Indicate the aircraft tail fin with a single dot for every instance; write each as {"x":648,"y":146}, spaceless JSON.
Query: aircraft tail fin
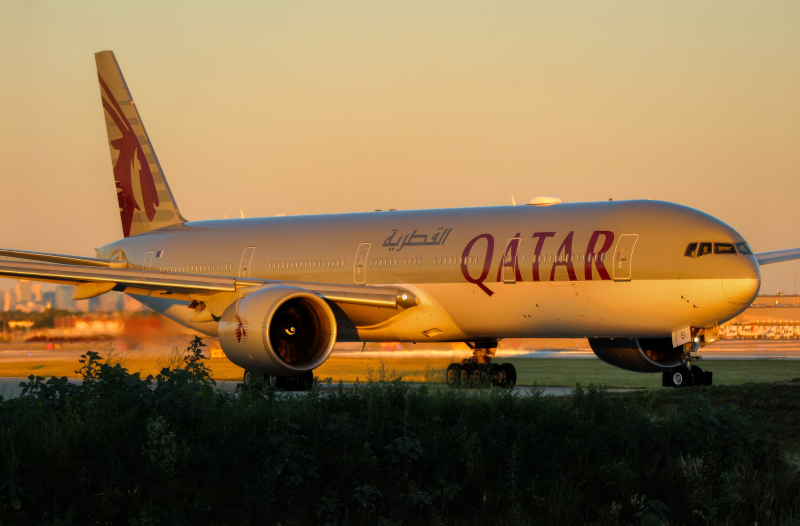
{"x":145,"y":200}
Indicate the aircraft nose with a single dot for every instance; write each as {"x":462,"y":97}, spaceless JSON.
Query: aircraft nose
{"x":741,"y":279}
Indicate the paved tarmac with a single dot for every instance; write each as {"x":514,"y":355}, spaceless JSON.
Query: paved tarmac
{"x":10,"y":388}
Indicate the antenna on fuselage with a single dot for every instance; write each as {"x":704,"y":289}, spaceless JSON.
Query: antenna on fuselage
{"x":241,"y":214}
{"x":513,"y":203}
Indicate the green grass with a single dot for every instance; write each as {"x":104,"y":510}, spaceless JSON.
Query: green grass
{"x":566,"y":372}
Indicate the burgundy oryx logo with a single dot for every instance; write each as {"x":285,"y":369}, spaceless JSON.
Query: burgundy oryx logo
{"x":136,"y":188}
{"x":241,"y":331}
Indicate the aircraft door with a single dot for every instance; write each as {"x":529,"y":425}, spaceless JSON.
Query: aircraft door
{"x":247,"y":261}
{"x":623,"y":256}
{"x":510,"y":264}
{"x":360,"y":268}
{"x":148,"y":260}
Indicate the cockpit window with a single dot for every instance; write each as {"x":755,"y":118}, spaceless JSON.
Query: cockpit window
{"x":705,"y":249}
{"x":724,"y":248}
{"x":744,"y":249}
{"x":691,"y":250}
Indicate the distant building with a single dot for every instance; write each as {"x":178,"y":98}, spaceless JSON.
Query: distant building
{"x":49,"y":299}
{"x":8,"y":300}
{"x":770,"y":317}
{"x":24,"y":291}
{"x":63,"y":298}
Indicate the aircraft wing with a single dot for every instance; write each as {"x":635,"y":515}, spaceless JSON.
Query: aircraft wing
{"x":94,"y":281}
{"x":776,"y":256}
{"x":59,"y":258}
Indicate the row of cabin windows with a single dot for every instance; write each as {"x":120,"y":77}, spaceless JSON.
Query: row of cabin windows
{"x":306,"y":264}
{"x":375,"y":263}
{"x":207,"y":267}
{"x":541,"y":258}
{"x":695,"y":250}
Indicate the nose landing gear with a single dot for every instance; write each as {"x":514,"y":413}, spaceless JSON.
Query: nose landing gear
{"x":479,"y":371}
{"x":686,"y":374}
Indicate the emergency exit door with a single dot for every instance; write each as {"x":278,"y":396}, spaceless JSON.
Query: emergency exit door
{"x":148,"y":260}
{"x":247,"y":261}
{"x":360,"y":268}
{"x":623,"y":257}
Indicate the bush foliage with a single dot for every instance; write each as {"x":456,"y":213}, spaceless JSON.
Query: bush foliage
{"x":120,"y":449}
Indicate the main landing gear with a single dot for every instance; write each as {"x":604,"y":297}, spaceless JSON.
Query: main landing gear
{"x":298,"y":382}
{"x":479,"y":371}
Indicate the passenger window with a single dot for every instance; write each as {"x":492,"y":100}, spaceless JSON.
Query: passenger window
{"x":705,"y":249}
{"x":691,"y":250}
{"x":744,"y":249}
{"x":724,"y":248}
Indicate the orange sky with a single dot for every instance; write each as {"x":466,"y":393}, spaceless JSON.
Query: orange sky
{"x":302,"y":107}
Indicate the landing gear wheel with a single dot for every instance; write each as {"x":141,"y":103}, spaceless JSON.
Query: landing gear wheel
{"x":510,"y":373}
{"x":463,"y":376}
{"x":700,"y":377}
{"x":297,"y":382}
{"x":453,"y":375}
{"x":678,"y":377}
{"x":477,"y":377}
{"x":249,"y":377}
{"x":498,"y":376}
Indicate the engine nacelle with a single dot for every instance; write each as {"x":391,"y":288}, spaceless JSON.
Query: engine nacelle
{"x":641,"y":355}
{"x":278,"y":330}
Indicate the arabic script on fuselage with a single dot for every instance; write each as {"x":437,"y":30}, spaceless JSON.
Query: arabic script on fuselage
{"x":414,"y":239}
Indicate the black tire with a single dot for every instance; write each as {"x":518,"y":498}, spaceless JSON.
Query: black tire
{"x":297,"y":382}
{"x":476,"y":378}
{"x":510,"y":374}
{"x":681,"y":377}
{"x":498,"y":376}
{"x":464,"y":375}
{"x":698,"y":376}
{"x":249,"y":376}
{"x":453,"y":375}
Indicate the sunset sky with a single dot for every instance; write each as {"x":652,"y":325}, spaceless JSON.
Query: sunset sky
{"x":302,"y":107}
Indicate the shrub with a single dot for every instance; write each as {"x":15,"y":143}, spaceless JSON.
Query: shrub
{"x":121,"y":449}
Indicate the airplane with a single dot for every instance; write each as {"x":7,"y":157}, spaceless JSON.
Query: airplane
{"x":647,"y":282}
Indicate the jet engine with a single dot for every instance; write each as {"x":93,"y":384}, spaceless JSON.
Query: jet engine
{"x":641,"y":355}
{"x":278,"y":331}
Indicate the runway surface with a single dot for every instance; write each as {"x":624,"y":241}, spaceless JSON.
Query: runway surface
{"x":555,"y":348}
{"x":568,"y":349}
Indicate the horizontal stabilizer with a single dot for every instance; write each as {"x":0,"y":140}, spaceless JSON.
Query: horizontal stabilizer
{"x":776,"y":256}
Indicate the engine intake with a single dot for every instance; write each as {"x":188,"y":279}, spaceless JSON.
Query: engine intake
{"x":278,"y":330}
{"x":642,"y":355}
